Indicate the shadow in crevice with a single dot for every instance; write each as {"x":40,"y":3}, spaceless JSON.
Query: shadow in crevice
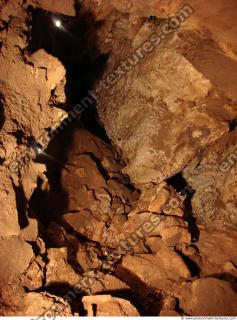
{"x":69,"y":43}
{"x":180,"y":185}
{"x":70,"y":294}
{"x":2,"y":115}
{"x":192,"y":265}
{"x":21,"y":203}
{"x":148,"y":301}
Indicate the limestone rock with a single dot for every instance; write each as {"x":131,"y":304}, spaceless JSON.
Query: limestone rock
{"x":175,"y":235}
{"x":33,"y":277}
{"x":213,"y":257}
{"x":107,"y":305}
{"x":87,"y":260}
{"x":213,"y":177}
{"x":58,"y":6}
{"x":9,"y":223}
{"x":58,"y":269}
{"x":87,"y":173}
{"x":86,"y":224}
{"x":210,"y":297}
{"x":150,"y":269}
{"x":153,"y":199}
{"x":38,"y":304}
{"x":107,"y":283}
{"x":14,"y":252}
{"x":187,"y":99}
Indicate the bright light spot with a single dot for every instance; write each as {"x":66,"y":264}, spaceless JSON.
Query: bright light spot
{"x":58,"y":23}
{"x":38,"y":149}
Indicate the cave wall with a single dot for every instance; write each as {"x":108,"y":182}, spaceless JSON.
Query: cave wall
{"x":171,"y":113}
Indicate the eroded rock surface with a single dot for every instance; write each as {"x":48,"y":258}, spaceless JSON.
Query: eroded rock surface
{"x":144,"y":223}
{"x":109,"y":306}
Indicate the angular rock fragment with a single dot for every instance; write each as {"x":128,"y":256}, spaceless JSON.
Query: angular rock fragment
{"x":213,"y":256}
{"x":212,"y":175}
{"x":210,"y":297}
{"x":166,"y":264}
{"x":88,"y":260}
{"x":85,"y":224}
{"x":59,"y":269}
{"x":107,"y":305}
{"x":175,"y":235}
{"x":38,"y":304}
{"x":14,"y":252}
{"x":33,"y":277}
{"x":108,"y":283}
{"x":58,"y":6}
{"x":181,"y":96}
{"x":11,"y":303}
{"x":153,"y":199}
{"x":9,"y":223}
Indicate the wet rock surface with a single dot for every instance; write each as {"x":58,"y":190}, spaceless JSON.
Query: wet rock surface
{"x":131,"y":211}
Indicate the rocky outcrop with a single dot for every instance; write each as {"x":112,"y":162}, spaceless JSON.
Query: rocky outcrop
{"x":177,"y":107}
{"x":210,"y":297}
{"x":143,"y":223}
{"x":108,"y":306}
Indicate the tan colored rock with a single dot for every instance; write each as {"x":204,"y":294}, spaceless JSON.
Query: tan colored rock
{"x":153,"y":199}
{"x":58,"y":269}
{"x":30,"y":232}
{"x":210,"y":297}
{"x":33,"y":277}
{"x":92,"y":176}
{"x":214,"y":257}
{"x":223,"y":27}
{"x":139,"y":227}
{"x":170,"y":91}
{"x":38,"y":304}
{"x":213,"y":177}
{"x":15,"y":256}
{"x":87,"y":260}
{"x":230,"y":268}
{"x":58,"y":6}
{"x":12,"y":297}
{"x":107,"y":283}
{"x":84,"y":223}
{"x":175,"y":235}
{"x":151,"y":269}
{"x":106,"y":305}
{"x":155,"y":244}
{"x":9,"y":222}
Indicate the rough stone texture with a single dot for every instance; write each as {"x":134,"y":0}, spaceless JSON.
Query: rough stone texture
{"x":213,"y":177}
{"x":38,"y":304}
{"x":15,"y":256}
{"x":108,"y":283}
{"x":58,"y":269}
{"x":150,"y":269}
{"x":107,"y":305}
{"x":33,"y":277}
{"x":221,"y":23}
{"x":26,"y":83}
{"x":9,"y":223}
{"x":57,"y":6}
{"x":210,"y":297}
{"x":11,"y":304}
{"x":214,"y":257}
{"x":173,"y":110}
